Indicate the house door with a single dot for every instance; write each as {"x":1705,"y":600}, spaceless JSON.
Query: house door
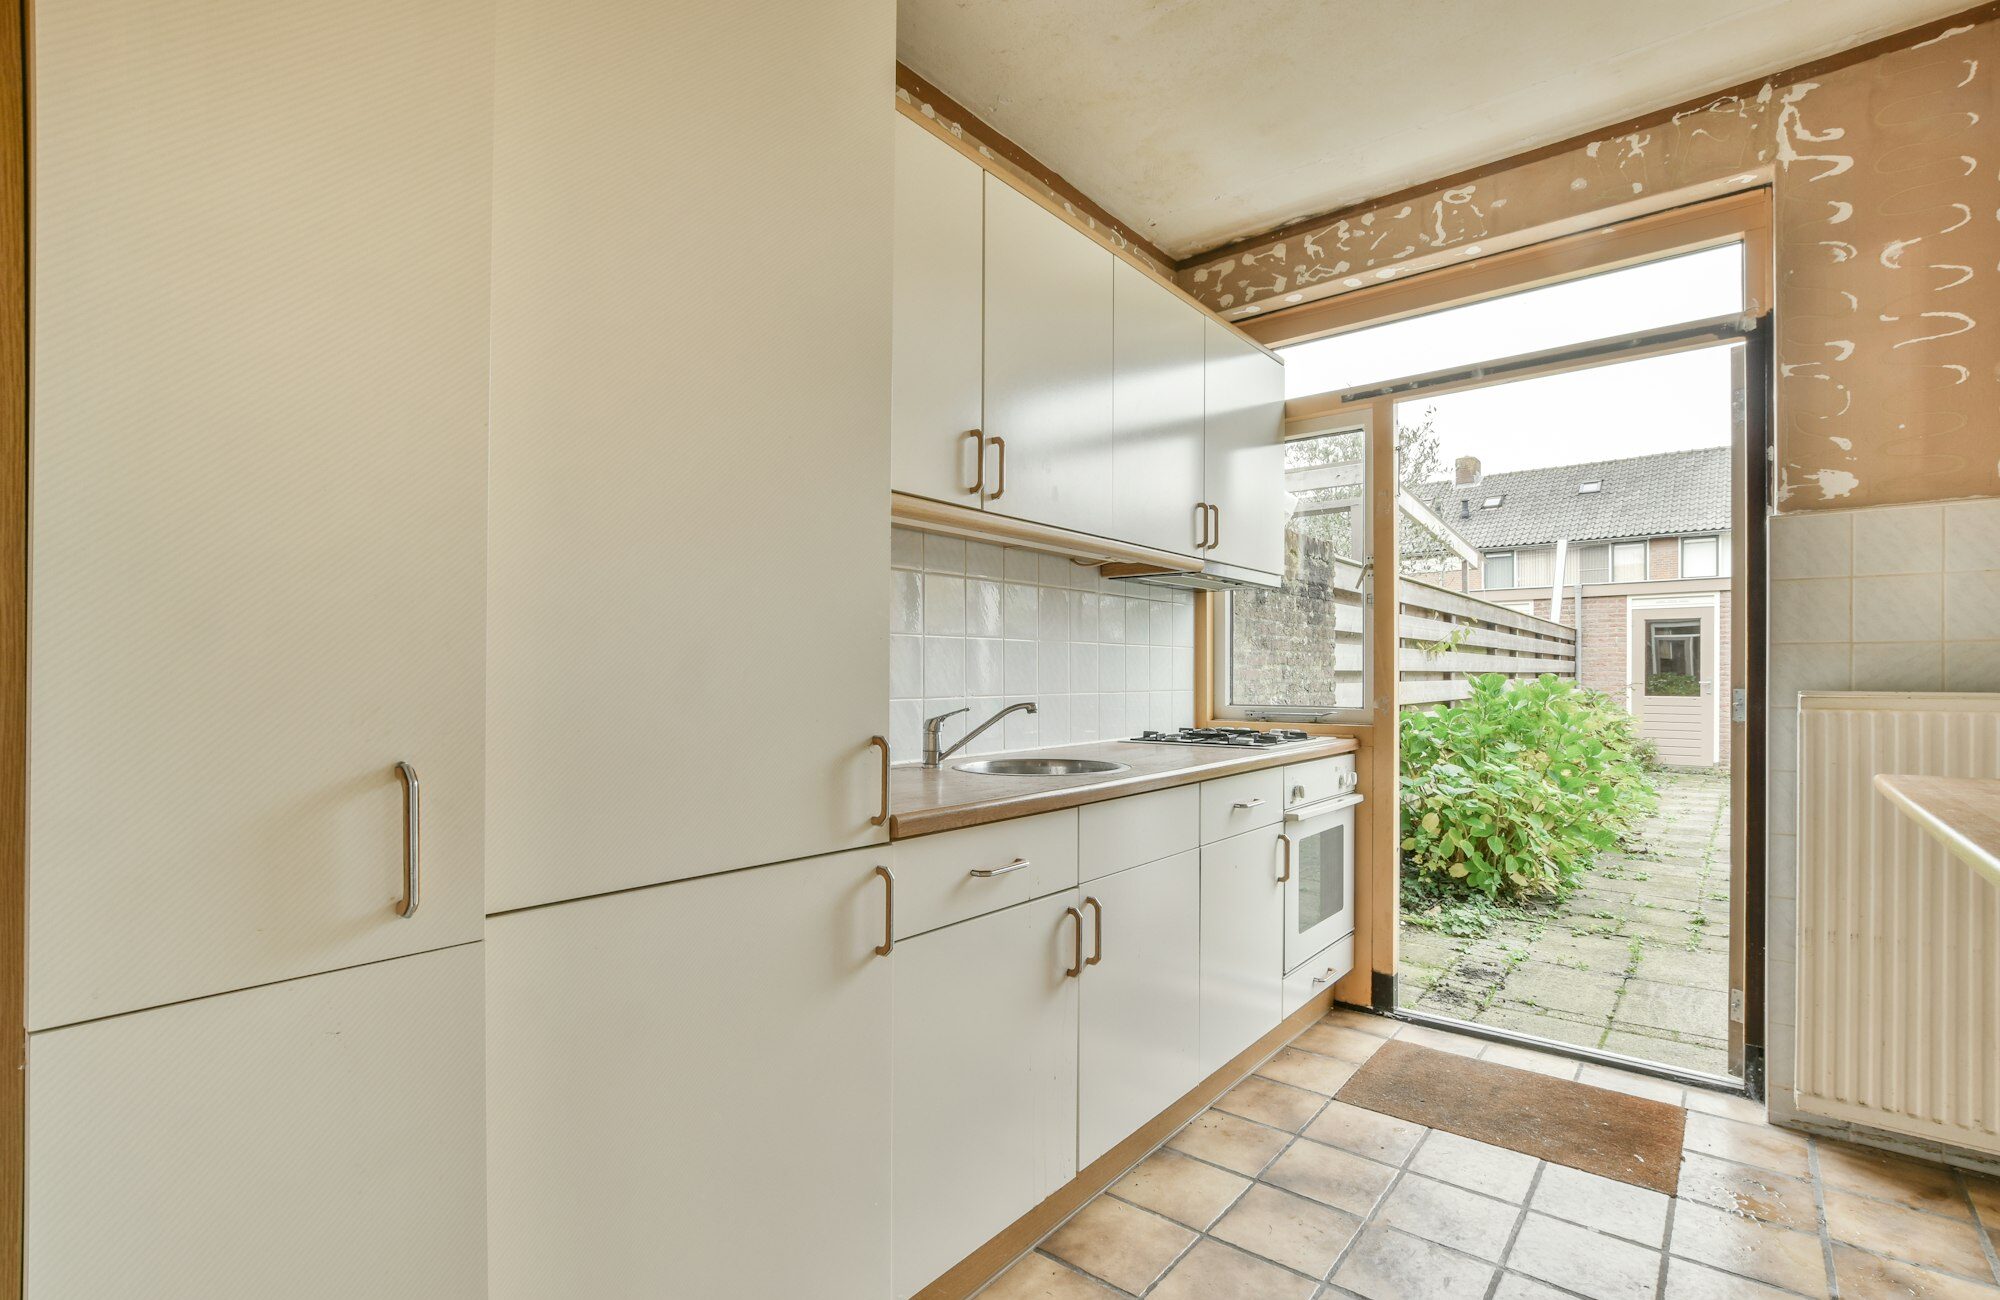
{"x":1673,"y":676}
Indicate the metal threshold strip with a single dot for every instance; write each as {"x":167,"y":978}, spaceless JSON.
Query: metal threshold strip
{"x":1588,"y":1055}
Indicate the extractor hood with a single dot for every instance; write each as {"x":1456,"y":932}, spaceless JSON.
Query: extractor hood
{"x":1210,"y":577}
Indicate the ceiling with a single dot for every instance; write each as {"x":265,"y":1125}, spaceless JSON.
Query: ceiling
{"x":1197,"y":122}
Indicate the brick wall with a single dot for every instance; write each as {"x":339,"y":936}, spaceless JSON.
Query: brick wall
{"x":1284,"y":642}
{"x":1663,"y":558}
{"x":1603,"y":663}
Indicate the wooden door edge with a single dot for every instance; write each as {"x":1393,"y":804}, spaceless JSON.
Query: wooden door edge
{"x":1020,"y":1236}
{"x":13,"y":638}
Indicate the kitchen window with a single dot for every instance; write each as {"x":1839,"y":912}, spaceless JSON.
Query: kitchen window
{"x":1673,"y":656}
{"x":1298,"y":653}
{"x":1703,"y":557}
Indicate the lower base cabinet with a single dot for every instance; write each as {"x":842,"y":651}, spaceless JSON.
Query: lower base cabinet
{"x":1139,"y":1036}
{"x":985,"y":1080}
{"x":317,"y":1139}
{"x":1242,"y":944}
{"x":689,"y":1091}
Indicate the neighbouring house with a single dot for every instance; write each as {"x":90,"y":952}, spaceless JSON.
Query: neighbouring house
{"x":1641,"y":547}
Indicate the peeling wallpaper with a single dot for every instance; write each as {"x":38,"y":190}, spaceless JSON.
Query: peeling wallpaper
{"x":1886,"y":176}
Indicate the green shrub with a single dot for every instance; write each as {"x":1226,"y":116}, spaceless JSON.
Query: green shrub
{"x":1513,"y":791}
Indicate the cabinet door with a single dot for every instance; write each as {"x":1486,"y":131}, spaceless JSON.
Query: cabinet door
{"x":985,"y":1080}
{"x":1245,"y":458}
{"x":259,"y":488}
{"x":1157,"y":408}
{"x":688,"y":1090}
{"x":1242,"y":944}
{"x":1048,"y":365}
{"x":937,"y":320}
{"x":1139,"y":1037}
{"x":688,"y":520}
{"x":318,"y":1139}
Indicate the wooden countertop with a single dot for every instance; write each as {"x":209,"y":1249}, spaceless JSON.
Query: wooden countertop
{"x":1963,"y":813}
{"x":924,"y":800}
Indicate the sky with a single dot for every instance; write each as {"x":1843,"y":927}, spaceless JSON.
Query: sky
{"x":1630,"y":409}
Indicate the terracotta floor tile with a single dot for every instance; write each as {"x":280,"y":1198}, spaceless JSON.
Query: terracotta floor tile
{"x":1985,"y":1192}
{"x":1757,"y":1250}
{"x":1526,"y":1058}
{"x":1603,"y":1204}
{"x":1180,"y":1187}
{"x":1494,"y":1171}
{"x":1037,"y":1277}
{"x":1949,"y":1245}
{"x":1687,"y":1280}
{"x":1761,"y":1145}
{"x":1338,"y":1041}
{"x":1728,"y":1105}
{"x":1747,"y":1192}
{"x":1380,"y":1026}
{"x":1289,"y":1229}
{"x":1450,"y":1216}
{"x":1918,"y":1184}
{"x":1425,"y":1036}
{"x":1212,"y":1270}
{"x":1580,"y":1260}
{"x":1330,"y":1176}
{"x":1276,"y":1104}
{"x":1230,"y":1141}
{"x":1863,"y":1274}
{"x":1388,"y":1265}
{"x":1633,"y":1085}
{"x":1128,"y":1248}
{"x":1366,"y":1132}
{"x":1321,"y":1074}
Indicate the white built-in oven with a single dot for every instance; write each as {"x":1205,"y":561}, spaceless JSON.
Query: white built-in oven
{"x":1320,"y":799}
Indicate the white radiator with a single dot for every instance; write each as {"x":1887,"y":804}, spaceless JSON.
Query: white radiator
{"x":1898,"y":942}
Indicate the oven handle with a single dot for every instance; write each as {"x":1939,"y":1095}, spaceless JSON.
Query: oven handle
{"x":1306,"y":812}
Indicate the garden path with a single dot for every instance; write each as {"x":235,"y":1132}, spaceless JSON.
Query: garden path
{"x":1636,"y":961}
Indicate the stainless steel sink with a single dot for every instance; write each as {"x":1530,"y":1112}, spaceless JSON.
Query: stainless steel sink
{"x":1040,"y":766}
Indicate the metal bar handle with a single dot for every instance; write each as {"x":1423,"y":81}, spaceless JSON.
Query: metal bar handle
{"x":888,"y":944}
{"x":881,"y":818}
{"x":987,"y":873}
{"x":1286,"y":840}
{"x":1097,"y":929}
{"x":1076,"y":970}
{"x":1215,"y":534}
{"x":1000,"y":487}
{"x":1201,"y":513}
{"x":1247,"y":804}
{"x":413,"y":841}
{"x":978,"y":460}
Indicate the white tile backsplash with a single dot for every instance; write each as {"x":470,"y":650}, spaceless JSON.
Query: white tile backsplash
{"x":980,"y":626}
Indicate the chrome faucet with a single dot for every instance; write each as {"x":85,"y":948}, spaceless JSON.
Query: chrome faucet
{"x":933,"y":756}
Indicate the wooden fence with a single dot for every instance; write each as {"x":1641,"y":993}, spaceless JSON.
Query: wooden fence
{"x":1445,"y":637}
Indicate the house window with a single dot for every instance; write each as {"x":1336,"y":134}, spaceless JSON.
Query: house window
{"x":1673,"y":656}
{"x":1618,"y":562}
{"x":1701,"y":557}
{"x":1585,"y":489}
{"x":1499,"y":571}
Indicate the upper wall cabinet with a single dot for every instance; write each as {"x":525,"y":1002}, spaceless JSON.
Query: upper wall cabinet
{"x":259,"y":482}
{"x":1159,"y":354}
{"x":1245,"y":461}
{"x":1048,"y":366}
{"x":935,"y":369}
{"x":687,"y":520}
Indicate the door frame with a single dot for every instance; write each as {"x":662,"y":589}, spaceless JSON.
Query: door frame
{"x":13,"y":638}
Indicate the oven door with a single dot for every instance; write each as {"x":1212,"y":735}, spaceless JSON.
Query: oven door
{"x":1319,"y":877}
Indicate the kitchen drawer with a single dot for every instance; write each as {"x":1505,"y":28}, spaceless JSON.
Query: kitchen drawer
{"x":934,"y":881}
{"x":1316,"y":974}
{"x":1138,"y":829}
{"x":1231,"y":805}
{"x":1323,"y":778}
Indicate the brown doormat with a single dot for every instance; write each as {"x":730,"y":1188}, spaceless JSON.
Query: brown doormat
{"x":1596,"y":1130}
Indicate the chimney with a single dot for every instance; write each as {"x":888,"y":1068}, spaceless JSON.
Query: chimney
{"x":1465,"y":472}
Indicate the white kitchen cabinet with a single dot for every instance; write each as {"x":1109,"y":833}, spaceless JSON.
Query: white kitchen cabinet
{"x":1139,"y":1018}
{"x":937,"y":320}
{"x":1159,"y":359}
{"x":259,"y":483}
{"x":1244,"y":457}
{"x":688,"y":514}
{"x":985,"y":1079}
{"x":1048,"y":366}
{"x":1242,"y":944}
{"x":689,"y":1089}
{"x":317,"y":1139}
